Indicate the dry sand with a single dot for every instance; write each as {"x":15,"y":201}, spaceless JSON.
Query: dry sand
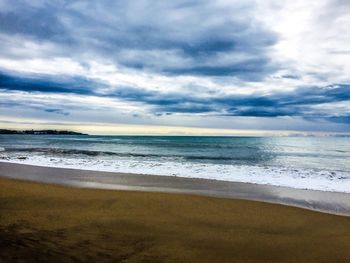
{"x":50,"y":223}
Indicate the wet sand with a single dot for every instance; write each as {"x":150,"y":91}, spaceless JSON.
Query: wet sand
{"x":51,"y":223}
{"x":330,"y":202}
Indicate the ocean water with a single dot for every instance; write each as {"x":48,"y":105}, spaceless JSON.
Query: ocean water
{"x":318,"y":163}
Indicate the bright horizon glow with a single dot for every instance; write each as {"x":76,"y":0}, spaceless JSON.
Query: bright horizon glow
{"x":139,"y":130}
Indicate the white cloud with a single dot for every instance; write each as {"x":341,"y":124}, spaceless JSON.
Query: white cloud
{"x":314,"y":38}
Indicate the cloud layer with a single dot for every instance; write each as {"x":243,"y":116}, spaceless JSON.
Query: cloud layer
{"x":178,"y":63}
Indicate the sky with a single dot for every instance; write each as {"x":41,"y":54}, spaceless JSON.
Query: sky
{"x":237,"y":67}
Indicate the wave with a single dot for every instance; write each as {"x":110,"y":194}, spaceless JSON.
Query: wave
{"x":239,"y":154}
{"x":316,"y":179}
{"x":64,"y":151}
{"x":92,"y":153}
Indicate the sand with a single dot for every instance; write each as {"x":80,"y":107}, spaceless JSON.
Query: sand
{"x":51,"y":223}
{"x":330,"y":202}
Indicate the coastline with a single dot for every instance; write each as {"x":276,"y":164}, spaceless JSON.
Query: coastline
{"x":328,"y":202}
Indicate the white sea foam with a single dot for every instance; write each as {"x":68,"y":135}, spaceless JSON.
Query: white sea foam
{"x":313,"y":179}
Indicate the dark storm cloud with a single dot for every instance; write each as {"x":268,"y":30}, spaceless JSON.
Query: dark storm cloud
{"x":45,"y":83}
{"x":33,"y":22}
{"x":299,"y":102}
{"x":296,"y":103}
{"x":113,"y":29}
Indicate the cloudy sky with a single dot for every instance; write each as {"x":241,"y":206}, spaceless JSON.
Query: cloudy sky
{"x":176,"y":67}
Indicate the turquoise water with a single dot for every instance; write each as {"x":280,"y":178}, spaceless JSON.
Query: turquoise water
{"x":288,"y":161}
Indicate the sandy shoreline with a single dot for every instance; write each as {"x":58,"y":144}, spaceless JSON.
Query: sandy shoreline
{"x":329,"y":202}
{"x":51,"y":223}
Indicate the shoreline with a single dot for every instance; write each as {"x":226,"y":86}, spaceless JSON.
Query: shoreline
{"x":318,"y":180}
{"x":328,"y":202}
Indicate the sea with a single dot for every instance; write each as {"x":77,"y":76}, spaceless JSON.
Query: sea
{"x":317,"y":163}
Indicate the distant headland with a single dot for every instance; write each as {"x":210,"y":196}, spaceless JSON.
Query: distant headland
{"x":40,"y":132}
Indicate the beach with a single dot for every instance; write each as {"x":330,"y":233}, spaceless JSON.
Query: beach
{"x":175,"y":131}
{"x":302,"y":163}
{"x":57,"y":222}
{"x":329,"y":202}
